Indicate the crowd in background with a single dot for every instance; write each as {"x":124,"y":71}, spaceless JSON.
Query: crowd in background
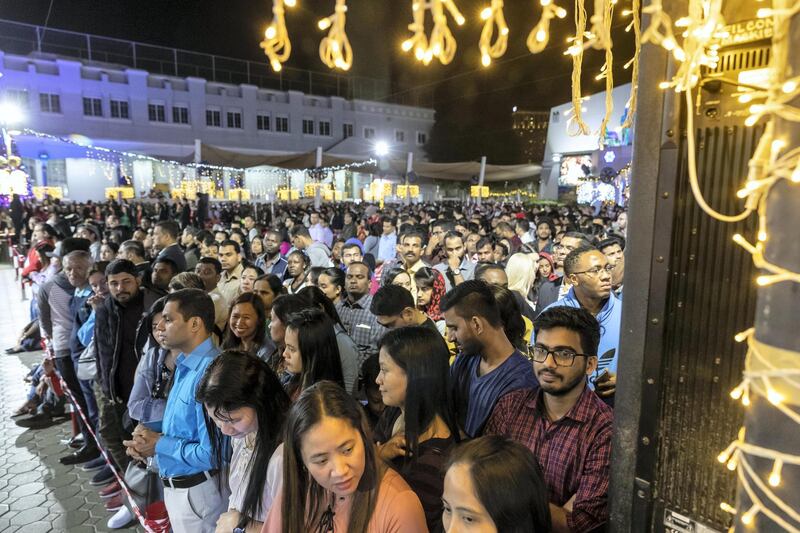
{"x":432,"y":367}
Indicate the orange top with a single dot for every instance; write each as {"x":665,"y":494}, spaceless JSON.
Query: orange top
{"x":397,"y":510}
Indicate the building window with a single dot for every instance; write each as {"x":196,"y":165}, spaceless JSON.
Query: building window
{"x":156,"y":113}
{"x":347,"y":130}
{"x":282,"y":124}
{"x":180,"y":115}
{"x":213,"y":118}
{"x":369,"y":133}
{"x":308,"y":127}
{"x":399,"y":136}
{"x":422,"y":138}
{"x":325,"y":128}
{"x":119,"y":109}
{"x":262,"y":122}
{"x":49,"y":103}
{"x":19,"y":97}
{"x":92,"y":107}
{"x":234,"y":119}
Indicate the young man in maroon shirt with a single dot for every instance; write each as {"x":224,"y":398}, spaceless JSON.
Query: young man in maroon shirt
{"x":566,"y":425}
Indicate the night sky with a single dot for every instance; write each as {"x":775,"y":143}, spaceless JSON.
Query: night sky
{"x":473,"y":103}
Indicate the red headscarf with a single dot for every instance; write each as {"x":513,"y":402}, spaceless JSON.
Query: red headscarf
{"x":432,"y":309}
{"x":553,"y":276}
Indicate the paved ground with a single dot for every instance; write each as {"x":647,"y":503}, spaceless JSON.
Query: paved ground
{"x":37,"y":493}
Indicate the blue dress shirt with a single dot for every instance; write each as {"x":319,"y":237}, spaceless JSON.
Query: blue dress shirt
{"x":184,"y":447}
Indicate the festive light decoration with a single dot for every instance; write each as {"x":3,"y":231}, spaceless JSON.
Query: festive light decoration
{"x":540,"y":34}
{"x":635,"y":24}
{"x":441,"y":44}
{"x":477,"y":191}
{"x":276,"y":43}
{"x":40,"y":193}
{"x":335,"y":50}
{"x":770,"y":372}
{"x":493,"y":16}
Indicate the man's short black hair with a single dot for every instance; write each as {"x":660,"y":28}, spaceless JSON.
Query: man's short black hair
{"x":574,"y":256}
{"x":486,"y":240}
{"x":135,"y":246}
{"x":47,"y":228}
{"x":445,"y":224}
{"x":170,"y":227}
{"x":484,"y":266}
{"x":194,"y":303}
{"x":452,"y":235}
{"x":205,"y":237}
{"x":414,"y":232}
{"x":473,"y":298}
{"x":299,"y":230}
{"x":121,"y":266}
{"x":213,"y":262}
{"x":167,"y":261}
{"x":585,"y":240}
{"x":523,"y":224}
{"x":391,"y":300}
{"x":351,"y":245}
{"x":231,"y":242}
{"x":611,"y":241}
{"x":575,"y":319}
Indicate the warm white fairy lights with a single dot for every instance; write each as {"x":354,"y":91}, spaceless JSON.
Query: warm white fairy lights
{"x":540,"y":34}
{"x":276,"y":43}
{"x":770,"y":372}
{"x":441,"y":45}
{"x":335,"y":50}
{"x":633,"y":64}
{"x":493,"y":17}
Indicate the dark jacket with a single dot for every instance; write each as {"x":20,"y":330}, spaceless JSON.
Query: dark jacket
{"x":548,"y":293}
{"x":112,"y":354}
{"x":175,"y":253}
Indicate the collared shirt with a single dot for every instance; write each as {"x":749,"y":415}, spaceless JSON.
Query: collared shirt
{"x":361,"y":325}
{"x":230,"y":283}
{"x":467,"y":270}
{"x":574,"y":452}
{"x":321,"y":234}
{"x":184,"y":447}
{"x":276,"y":266}
{"x":387,"y":247}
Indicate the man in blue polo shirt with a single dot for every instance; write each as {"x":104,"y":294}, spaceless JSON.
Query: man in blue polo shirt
{"x":192,"y":492}
{"x":589,"y":274}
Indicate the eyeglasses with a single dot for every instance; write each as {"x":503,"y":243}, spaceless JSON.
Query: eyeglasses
{"x":596,"y":270}
{"x":538,"y":354}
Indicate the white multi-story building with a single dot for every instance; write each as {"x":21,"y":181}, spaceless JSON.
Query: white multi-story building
{"x":134,"y":110}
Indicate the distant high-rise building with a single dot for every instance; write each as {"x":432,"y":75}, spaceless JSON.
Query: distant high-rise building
{"x":531,"y":126}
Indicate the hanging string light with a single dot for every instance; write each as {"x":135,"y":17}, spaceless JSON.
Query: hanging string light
{"x":635,"y":24}
{"x":276,"y":42}
{"x":335,"y":50}
{"x":441,"y":44}
{"x":576,"y":124}
{"x":770,"y":372}
{"x":540,"y":34}
{"x":493,"y":16}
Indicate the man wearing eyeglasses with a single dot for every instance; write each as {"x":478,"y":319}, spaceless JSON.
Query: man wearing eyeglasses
{"x":551,"y":291}
{"x":563,"y":422}
{"x":589,"y":273}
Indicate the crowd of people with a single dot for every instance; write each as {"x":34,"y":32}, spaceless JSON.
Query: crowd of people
{"x":432,"y":367}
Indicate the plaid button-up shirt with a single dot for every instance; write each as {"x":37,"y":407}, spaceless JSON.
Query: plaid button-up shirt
{"x":574,"y":452}
{"x":361,"y":325}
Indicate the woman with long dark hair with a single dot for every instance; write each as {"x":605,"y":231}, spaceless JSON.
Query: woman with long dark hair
{"x":311,"y":352}
{"x":331,"y":282}
{"x":247,"y":327}
{"x":430,"y":291}
{"x":245,"y":402}
{"x":496,"y":486}
{"x":283,"y":306}
{"x":333,"y":479}
{"x":348,"y":350}
{"x":417,"y":428}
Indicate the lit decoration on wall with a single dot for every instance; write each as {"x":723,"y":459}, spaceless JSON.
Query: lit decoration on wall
{"x":476,"y":191}
{"x":286,"y":194}
{"x":126,"y":193}
{"x":412,"y":191}
{"x":40,"y":193}
{"x":240,"y":195}
{"x":441,"y":44}
{"x":635,"y":24}
{"x":276,"y":43}
{"x":590,"y":192}
{"x":770,"y":372}
{"x":540,"y":34}
{"x":335,"y":50}
{"x":493,"y":16}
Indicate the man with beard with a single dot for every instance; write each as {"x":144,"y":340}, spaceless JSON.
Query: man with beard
{"x":550,"y":291}
{"x":589,"y":275}
{"x":566,"y":426}
{"x":456,"y":269}
{"x":412,"y":244}
{"x":488,"y":366}
{"x":544,"y":236}
{"x":271,"y":261}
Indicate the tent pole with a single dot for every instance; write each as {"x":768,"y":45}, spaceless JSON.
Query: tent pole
{"x":409,"y":168}
{"x":318,"y":189}
{"x":480,"y":180}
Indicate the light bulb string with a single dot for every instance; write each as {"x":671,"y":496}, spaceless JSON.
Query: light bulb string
{"x":496,"y":19}
{"x":634,"y":62}
{"x":276,"y":43}
{"x":576,"y":125}
{"x":540,"y":34}
{"x":747,"y":473}
{"x":335,"y":49}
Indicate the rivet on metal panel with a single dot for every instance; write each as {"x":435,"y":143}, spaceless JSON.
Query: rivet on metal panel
{"x":715,"y":379}
{"x":640,"y":494}
{"x":650,"y":381}
{"x":646,"y":441}
{"x":694,"y":231}
{"x":654,"y":321}
{"x":670,"y":133}
{"x":664,"y":195}
{"x":691,"y":258}
{"x":660,"y":259}
{"x":680,"y":305}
